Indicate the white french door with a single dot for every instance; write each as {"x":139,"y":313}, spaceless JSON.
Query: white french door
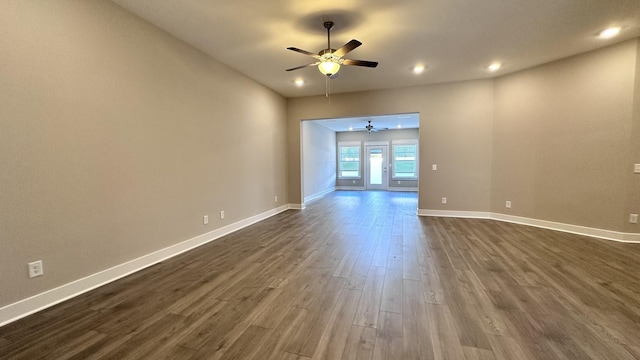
{"x":376,"y":167}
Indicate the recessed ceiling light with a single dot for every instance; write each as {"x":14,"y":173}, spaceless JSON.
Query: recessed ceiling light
{"x":494,"y":67}
{"x":418,"y":69}
{"x":608,"y":33}
{"x":299,"y":82}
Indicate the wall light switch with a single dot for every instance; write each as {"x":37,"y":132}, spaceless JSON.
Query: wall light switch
{"x":222,"y":214}
{"x":636,"y":168}
{"x":205,"y":219}
{"x":434,"y":167}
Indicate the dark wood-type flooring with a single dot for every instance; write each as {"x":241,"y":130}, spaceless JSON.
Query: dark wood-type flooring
{"x":357,"y":275}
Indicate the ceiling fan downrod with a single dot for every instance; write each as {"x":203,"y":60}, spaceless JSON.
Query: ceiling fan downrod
{"x":328,"y":25}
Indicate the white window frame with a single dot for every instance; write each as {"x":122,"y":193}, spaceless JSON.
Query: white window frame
{"x":393,"y":159}
{"x":357,"y":144}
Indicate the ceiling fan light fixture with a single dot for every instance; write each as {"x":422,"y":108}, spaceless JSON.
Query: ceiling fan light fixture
{"x":329,"y":68}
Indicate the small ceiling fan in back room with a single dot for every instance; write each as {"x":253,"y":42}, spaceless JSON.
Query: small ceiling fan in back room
{"x":370,"y":128}
{"x":329,"y":60}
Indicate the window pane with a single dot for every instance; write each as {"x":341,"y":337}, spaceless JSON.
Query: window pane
{"x":349,"y":162}
{"x":405,"y":161}
{"x":349,"y":174}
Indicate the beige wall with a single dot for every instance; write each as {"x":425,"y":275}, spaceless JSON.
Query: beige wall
{"x":319,"y":154}
{"x":633,"y":188}
{"x":455,"y":133}
{"x":562,"y":135}
{"x":116,"y":139}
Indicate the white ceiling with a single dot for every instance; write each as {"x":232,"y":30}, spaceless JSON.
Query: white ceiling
{"x":455,"y":39}
{"x":379,"y":122}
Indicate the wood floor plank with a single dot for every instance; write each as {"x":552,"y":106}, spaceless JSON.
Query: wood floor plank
{"x":290,"y":356}
{"x":357,"y":275}
{"x":389,"y":340}
{"x":410,"y":263}
{"x":360,"y":343}
{"x":151,"y":341}
{"x":247,"y":345}
{"x":75,"y":346}
{"x":334,"y":337}
{"x":471,"y":353}
{"x":392,"y":290}
{"x":415,"y":322}
{"x":444,"y":338}
{"x":273,"y":346}
{"x":307,"y":338}
{"x":369,"y":305}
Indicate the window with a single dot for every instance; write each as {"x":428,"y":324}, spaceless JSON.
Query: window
{"x":349,"y":160}
{"x":405,"y":160}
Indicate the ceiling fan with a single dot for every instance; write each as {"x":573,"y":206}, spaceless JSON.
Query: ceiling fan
{"x":329,"y":60}
{"x":370,"y":128}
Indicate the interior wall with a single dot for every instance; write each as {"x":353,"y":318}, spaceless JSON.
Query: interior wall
{"x":456,"y":122}
{"x":319,"y":153}
{"x":117,"y":139}
{"x":633,"y":189}
{"x":388,"y":135}
{"x":562,"y":139}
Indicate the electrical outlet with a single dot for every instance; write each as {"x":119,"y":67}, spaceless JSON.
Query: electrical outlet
{"x":354,"y":181}
{"x":205,"y":219}
{"x":35,"y":269}
{"x":507,"y":204}
{"x":276,"y":198}
{"x":633,"y":218}
{"x":222,"y":214}
{"x":444,"y":200}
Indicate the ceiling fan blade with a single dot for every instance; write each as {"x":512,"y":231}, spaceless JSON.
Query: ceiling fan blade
{"x":371,"y":64}
{"x":347,"y":48}
{"x":304,"y":52}
{"x":303,"y":66}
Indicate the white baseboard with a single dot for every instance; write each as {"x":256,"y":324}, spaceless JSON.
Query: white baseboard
{"x":573,"y":229}
{"x":33,"y":304}
{"x":319,"y":195}
{"x":297,"y":206}
{"x":396,"y":188}
{"x":454,"y":213}
{"x":350,"y":188}
{"x":568,"y":228}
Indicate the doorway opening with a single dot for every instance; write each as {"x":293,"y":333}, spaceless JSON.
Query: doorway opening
{"x":376,"y":167}
{"x":359,"y":153}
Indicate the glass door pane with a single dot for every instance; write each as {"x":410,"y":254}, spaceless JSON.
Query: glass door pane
{"x":376,"y":167}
